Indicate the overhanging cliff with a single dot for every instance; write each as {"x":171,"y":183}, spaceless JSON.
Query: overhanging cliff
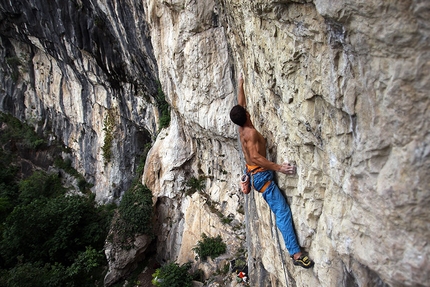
{"x":72,"y":67}
{"x":339,"y":87}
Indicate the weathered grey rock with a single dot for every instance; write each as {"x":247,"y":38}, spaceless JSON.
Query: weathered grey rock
{"x":122,"y":261}
{"x":339,"y":87}
{"x":66,"y":66}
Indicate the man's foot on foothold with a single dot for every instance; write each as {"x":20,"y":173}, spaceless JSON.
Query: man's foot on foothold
{"x":303,"y":261}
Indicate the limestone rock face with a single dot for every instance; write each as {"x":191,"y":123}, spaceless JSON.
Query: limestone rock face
{"x":338,"y":87}
{"x":67,"y":67}
{"x":124,"y":260}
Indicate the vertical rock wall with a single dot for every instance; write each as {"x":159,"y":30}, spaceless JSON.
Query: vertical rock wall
{"x":67,"y":67}
{"x":339,"y":87}
{"x":196,"y":72}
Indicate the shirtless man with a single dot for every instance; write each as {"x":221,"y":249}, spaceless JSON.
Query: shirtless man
{"x":254,"y":149}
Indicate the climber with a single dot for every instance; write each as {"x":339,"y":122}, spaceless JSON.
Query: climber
{"x":254,"y":149}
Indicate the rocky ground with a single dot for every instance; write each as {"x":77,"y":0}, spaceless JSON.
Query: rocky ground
{"x":145,"y":277}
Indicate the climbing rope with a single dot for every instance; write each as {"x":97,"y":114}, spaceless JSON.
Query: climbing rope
{"x":275,"y":229}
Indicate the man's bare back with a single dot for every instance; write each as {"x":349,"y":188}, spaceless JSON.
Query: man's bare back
{"x":254,"y":144}
{"x":250,"y":137}
{"x":254,"y":149}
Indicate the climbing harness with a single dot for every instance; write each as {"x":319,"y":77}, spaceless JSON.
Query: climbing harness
{"x":247,"y":179}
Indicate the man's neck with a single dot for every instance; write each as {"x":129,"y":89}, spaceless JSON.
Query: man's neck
{"x":248,"y":124}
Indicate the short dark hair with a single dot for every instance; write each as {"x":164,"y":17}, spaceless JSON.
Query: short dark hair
{"x":238,"y":115}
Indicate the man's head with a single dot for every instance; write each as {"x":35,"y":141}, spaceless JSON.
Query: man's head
{"x":238,"y":115}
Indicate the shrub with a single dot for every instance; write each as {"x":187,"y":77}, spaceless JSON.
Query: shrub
{"x":46,"y":237}
{"x":109,"y":125}
{"x":66,"y":165}
{"x":8,"y":185}
{"x":194,"y":185}
{"x":35,"y":274}
{"x":51,"y":235}
{"x":40,"y":185}
{"x":51,"y":230}
{"x":163,"y":107}
{"x":210,"y":246}
{"x":135,"y":213}
{"x":141,"y":165}
{"x":16,"y":131}
{"x":86,"y":262}
{"x":173,"y":275}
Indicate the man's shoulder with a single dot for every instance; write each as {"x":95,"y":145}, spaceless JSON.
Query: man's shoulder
{"x":249,"y":132}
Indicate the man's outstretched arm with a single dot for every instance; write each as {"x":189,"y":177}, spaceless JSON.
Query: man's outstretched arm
{"x":258,"y":159}
{"x":241,"y":93}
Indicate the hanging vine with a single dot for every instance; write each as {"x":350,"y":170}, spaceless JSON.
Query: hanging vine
{"x":109,"y":125}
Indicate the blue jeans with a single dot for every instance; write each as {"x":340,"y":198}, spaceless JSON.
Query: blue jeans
{"x":278,"y":204}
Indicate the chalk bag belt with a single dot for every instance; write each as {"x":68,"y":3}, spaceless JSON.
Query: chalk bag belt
{"x":265,"y":186}
{"x":254,"y":171}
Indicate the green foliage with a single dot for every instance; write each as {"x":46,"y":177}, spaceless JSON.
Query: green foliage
{"x":109,"y":125}
{"x":35,"y":274}
{"x":13,"y":63}
{"x":52,"y":230}
{"x":40,"y":185}
{"x":163,"y":107}
{"x":86,"y":262}
{"x":135,"y":213}
{"x":173,"y":275}
{"x":240,"y":263}
{"x":210,"y":246}
{"x":193,"y":185}
{"x":226,"y":220}
{"x":8,"y":185}
{"x":66,"y":165}
{"x":141,"y":165}
{"x":47,"y":238}
{"x":19,"y":133}
{"x":49,"y":234}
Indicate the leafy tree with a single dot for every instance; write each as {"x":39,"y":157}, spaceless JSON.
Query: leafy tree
{"x":20,"y":133}
{"x":35,"y":274}
{"x":40,"y":185}
{"x":47,"y":238}
{"x":135,"y":213}
{"x":173,"y":275}
{"x":51,"y":230}
{"x":210,"y":246}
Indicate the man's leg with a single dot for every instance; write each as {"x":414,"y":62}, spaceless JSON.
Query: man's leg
{"x":284,"y":222}
{"x":278,"y":204}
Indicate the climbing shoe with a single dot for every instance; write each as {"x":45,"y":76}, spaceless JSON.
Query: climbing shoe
{"x":303,"y":261}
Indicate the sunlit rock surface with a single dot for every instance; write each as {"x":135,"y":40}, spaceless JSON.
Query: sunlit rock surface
{"x":67,"y":66}
{"x":338,"y":87}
